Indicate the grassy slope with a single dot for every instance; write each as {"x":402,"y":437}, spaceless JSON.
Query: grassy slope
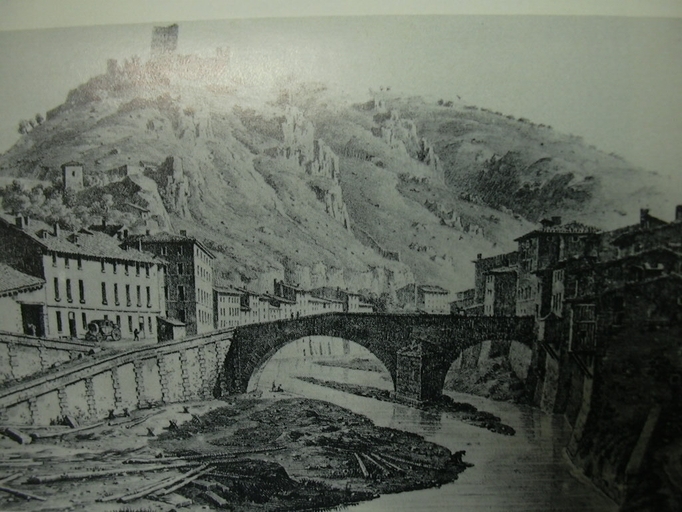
{"x":259,"y":213}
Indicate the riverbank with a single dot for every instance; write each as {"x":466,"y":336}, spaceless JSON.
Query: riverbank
{"x":277,"y":453}
{"x":464,"y":412}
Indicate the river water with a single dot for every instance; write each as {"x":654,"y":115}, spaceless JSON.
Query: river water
{"x":525,"y":472}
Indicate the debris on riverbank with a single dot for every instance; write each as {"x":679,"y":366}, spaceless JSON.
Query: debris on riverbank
{"x":462,"y":411}
{"x":492,"y":378}
{"x":298,"y":453}
{"x":268,"y":454}
{"x":357,"y":363}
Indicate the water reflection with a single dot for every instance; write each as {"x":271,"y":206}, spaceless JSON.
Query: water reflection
{"x":523,"y":473}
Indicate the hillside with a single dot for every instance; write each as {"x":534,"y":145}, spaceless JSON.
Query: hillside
{"x":314,"y":189}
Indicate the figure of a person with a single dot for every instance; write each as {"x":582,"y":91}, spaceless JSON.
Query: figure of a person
{"x":136,"y":333}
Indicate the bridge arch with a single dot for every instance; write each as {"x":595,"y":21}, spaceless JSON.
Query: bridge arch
{"x":384,"y":335}
{"x":314,"y":356}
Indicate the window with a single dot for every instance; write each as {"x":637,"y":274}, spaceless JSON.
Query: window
{"x":128,"y":295}
{"x":181,"y":292}
{"x":130,"y":323}
{"x":149,"y":323}
{"x":149,"y":297}
{"x":80,"y":263}
{"x":126,"y":269}
{"x":66,"y":262}
{"x":114,"y":266}
{"x":146,"y":270}
{"x":56,"y":289}
{"x":81,"y":291}
{"x":141,"y":324}
{"x":84,"y":318}
{"x":104,"y":293}
{"x":139,"y":295}
{"x":54,"y":259}
{"x":116,"y":294}
{"x":180,"y":269}
{"x":180,"y":250}
{"x":164,"y":251}
{"x":69,"y":297}
{"x":181,"y":315}
{"x":59,"y":321}
{"x":165,"y":293}
{"x":103,"y":266}
{"x":137,"y":269}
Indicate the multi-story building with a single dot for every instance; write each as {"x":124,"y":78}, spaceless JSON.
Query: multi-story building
{"x":539,"y":252}
{"x":425,"y":298}
{"x":349,"y":302}
{"x":87,"y":276}
{"x":500,"y":292}
{"x":226,"y":307}
{"x":189,"y":277}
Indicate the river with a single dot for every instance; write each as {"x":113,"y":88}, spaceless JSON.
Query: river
{"x":526,"y":472}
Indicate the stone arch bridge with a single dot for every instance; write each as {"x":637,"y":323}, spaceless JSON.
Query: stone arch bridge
{"x":417,"y":350}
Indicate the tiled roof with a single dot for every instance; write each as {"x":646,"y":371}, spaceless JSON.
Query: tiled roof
{"x":97,"y":245}
{"x":432,"y":288}
{"x":165,"y":237}
{"x":572,"y":228}
{"x":11,"y":280}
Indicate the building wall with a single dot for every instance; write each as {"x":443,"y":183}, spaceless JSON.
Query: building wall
{"x":109,"y":290}
{"x":226,"y":309}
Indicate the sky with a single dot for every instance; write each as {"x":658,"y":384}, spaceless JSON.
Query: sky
{"x":615,"y":81}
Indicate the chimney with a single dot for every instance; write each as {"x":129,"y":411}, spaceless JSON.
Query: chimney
{"x":556,"y":221}
{"x":104,"y":222}
{"x":678,"y":213}
{"x":55,"y":230}
{"x":643,"y":215}
{"x":21,"y":222}
{"x":479,"y":256}
{"x":183,"y":232}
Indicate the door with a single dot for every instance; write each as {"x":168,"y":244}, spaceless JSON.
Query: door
{"x":72,"y":325}
{"x":32,"y":319}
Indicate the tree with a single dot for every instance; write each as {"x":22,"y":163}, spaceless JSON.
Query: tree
{"x":24,"y":127}
{"x":39,"y":119}
{"x":15,"y":199}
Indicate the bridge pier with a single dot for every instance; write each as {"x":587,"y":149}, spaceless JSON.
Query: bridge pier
{"x":418,"y":378}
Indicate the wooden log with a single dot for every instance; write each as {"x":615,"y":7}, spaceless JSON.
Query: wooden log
{"x":9,"y":478}
{"x":21,"y":494}
{"x":363,"y":468}
{"x":377,"y":464}
{"x":411,"y":462}
{"x":116,"y":497}
{"x":161,"y":485}
{"x":48,"y":435}
{"x":388,"y":463}
{"x":215,"y":499}
{"x":17,"y":435}
{"x":46,"y":479}
{"x":182,"y":483}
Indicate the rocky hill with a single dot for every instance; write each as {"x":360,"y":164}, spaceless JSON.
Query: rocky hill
{"x":317,"y":190}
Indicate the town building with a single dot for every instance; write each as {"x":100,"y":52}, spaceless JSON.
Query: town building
{"x":429,"y":299}
{"x":72,"y":176}
{"x":87,"y":276}
{"x":500,"y":292}
{"x":189,"y":277}
{"x":343,"y":301}
{"x":226,"y":307}
{"x":464,"y":302}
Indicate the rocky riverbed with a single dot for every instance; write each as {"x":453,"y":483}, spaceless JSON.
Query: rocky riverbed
{"x":248,"y":453}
